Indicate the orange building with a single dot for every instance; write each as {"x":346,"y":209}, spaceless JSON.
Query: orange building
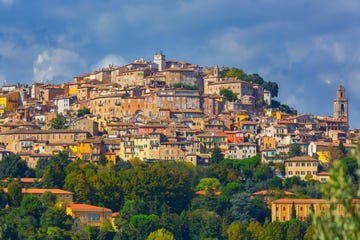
{"x":89,"y":214}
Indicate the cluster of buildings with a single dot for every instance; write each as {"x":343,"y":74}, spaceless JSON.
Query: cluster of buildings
{"x":165,"y":111}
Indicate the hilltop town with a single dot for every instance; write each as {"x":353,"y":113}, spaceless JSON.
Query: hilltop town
{"x":160,"y":111}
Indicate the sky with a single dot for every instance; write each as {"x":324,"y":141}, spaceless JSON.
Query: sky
{"x":308,"y":47}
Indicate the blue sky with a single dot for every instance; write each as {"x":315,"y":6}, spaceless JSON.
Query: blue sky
{"x":307,"y":47}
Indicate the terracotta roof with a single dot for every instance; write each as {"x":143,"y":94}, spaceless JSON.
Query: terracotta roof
{"x":306,"y":201}
{"x":272,"y":192}
{"x":323,"y":173}
{"x":301,"y":158}
{"x":87,"y":207}
{"x":42,"y":191}
{"x":204,"y":192}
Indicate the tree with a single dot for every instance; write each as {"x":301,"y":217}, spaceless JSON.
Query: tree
{"x":83,"y":111}
{"x":254,"y":78}
{"x":208,"y":184}
{"x":237,"y":230}
{"x":293,"y":211}
{"x":204,"y":224}
{"x":294,"y":150}
{"x":273,"y":230}
{"x":48,"y":199}
{"x":12,"y":166}
{"x":216,"y":155}
{"x":55,"y":217}
{"x":59,"y":122}
{"x":31,"y":205}
{"x":272,"y":87}
{"x":339,"y":190}
{"x":161,"y":234}
{"x":102,"y":160}
{"x":3,"y":199}
{"x":342,"y":149}
{"x":228,"y":94}
{"x":255,"y":230}
{"x":294,"y":232}
{"x":14,"y":193}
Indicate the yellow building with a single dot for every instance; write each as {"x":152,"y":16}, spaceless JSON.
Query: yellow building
{"x":281,"y":209}
{"x":301,"y":166}
{"x":73,"y":89}
{"x":89,"y":214}
{"x":8,"y":102}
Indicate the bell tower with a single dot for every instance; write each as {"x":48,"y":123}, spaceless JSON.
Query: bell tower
{"x":341,"y":104}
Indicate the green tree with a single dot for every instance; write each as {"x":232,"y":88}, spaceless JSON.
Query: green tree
{"x":48,"y":199}
{"x":59,"y":122}
{"x":31,"y":205}
{"x":208,"y":184}
{"x":310,"y":233}
{"x":254,"y":78}
{"x":294,"y":232}
{"x":272,"y":87}
{"x":237,"y":230}
{"x":255,"y":230}
{"x":228,"y":94}
{"x":216,"y":155}
{"x":83,"y":111}
{"x":339,"y":189}
{"x":102,"y":160}
{"x":12,"y":166}
{"x":204,"y":224}
{"x":142,"y":225}
{"x":55,"y":217}
{"x":14,"y":193}
{"x":3,"y":199}
{"x":294,"y":150}
{"x":293,"y":211}
{"x":273,"y":230}
{"x":342,"y":149}
{"x":161,"y":234}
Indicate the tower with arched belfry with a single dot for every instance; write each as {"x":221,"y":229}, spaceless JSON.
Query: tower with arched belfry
{"x":341,"y":104}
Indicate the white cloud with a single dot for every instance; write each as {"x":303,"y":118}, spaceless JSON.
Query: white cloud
{"x":7,"y":2}
{"x":109,"y":60}
{"x":334,"y":49}
{"x":56,"y":64}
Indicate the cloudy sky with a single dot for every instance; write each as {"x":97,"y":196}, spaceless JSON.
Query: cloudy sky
{"x":307,"y":47}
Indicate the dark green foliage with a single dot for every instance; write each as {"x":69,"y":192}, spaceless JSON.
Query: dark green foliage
{"x":204,"y":224}
{"x":14,"y":194}
{"x":229,"y":95}
{"x":273,"y":230}
{"x":48,"y":199}
{"x":102,"y":160}
{"x":293,"y":211}
{"x":272,"y":87}
{"x":216,"y":155}
{"x":59,"y":122}
{"x":83,"y":111}
{"x":31,"y":205}
{"x":55,"y":217}
{"x":244,"y":208}
{"x":12,"y":166}
{"x":141,"y":225}
{"x":254,"y":78}
{"x":294,"y":150}
{"x":3,"y":199}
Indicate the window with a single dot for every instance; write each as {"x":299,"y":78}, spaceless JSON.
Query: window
{"x":94,"y":217}
{"x":302,"y":172}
